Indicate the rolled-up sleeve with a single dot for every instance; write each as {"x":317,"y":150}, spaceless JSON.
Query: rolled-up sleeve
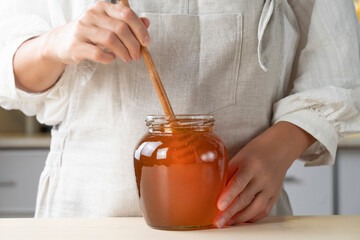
{"x":22,"y":24}
{"x":324,"y":85}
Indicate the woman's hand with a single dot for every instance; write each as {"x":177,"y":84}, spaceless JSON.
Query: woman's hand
{"x":104,"y":31}
{"x":101,"y":33}
{"x":256,"y":173}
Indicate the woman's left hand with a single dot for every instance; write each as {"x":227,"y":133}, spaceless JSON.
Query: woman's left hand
{"x":256,"y":173}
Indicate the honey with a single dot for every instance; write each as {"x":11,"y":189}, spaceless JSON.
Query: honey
{"x":180,"y":172}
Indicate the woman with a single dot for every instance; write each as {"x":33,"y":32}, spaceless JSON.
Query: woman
{"x":281,"y":78}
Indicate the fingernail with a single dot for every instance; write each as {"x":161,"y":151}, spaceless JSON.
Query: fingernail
{"x":220,"y":223}
{"x":146,"y":40}
{"x":223,"y":204}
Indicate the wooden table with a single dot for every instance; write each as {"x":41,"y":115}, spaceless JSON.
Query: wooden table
{"x":297,"y":227}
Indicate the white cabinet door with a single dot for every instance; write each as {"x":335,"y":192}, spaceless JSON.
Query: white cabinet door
{"x":310,"y":189}
{"x":19,"y":176}
{"x":348,"y":161}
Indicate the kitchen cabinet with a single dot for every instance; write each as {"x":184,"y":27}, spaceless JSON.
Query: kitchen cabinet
{"x":323,"y":190}
{"x":20,"y":170}
{"x":327,"y":190}
{"x":310,"y":189}
{"x":348,"y":186}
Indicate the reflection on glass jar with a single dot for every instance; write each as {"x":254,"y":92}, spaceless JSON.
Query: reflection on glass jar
{"x":180,"y":168}
{"x":357,"y":6}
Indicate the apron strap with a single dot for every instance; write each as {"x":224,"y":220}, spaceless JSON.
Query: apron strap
{"x":266,"y":14}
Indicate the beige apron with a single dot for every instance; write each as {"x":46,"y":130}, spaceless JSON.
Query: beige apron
{"x":213,"y":57}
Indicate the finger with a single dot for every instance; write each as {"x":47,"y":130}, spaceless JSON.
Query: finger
{"x":108,"y":40}
{"x":94,"y":53}
{"x":123,"y":13}
{"x":145,"y":21}
{"x":237,"y":161}
{"x":236,"y":185}
{"x":258,"y":206}
{"x":262,"y":215}
{"x":232,"y":167}
{"x":123,"y":33}
{"x":243,"y":200}
{"x":257,"y":218}
{"x":239,"y":203}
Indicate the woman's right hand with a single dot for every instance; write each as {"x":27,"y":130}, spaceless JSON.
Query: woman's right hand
{"x":103,"y":32}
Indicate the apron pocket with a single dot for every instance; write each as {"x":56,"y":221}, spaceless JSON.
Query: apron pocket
{"x":198,"y":60}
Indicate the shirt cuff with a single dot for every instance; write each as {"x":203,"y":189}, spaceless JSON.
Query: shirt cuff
{"x":8,"y":87}
{"x":323,"y":151}
{"x":31,"y":103}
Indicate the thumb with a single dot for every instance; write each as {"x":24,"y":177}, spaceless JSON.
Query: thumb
{"x":145,"y":21}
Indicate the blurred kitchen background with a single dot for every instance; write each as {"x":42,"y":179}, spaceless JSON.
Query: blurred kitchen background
{"x":24,"y":145}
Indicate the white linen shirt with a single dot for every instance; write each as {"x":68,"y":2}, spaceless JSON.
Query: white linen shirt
{"x":295,"y":61}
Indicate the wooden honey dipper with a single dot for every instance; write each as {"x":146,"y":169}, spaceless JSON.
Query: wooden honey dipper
{"x":155,"y":78}
{"x":184,"y":149}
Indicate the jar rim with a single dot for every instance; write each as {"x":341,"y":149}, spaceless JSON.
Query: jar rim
{"x":182,"y":120}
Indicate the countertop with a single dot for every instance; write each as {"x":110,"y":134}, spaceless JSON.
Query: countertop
{"x":351,"y":141}
{"x":291,"y":227}
{"x":19,"y":141}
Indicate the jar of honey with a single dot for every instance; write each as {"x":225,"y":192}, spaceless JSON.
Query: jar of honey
{"x":180,"y":167}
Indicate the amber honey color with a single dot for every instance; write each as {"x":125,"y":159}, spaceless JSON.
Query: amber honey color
{"x":180,"y":176}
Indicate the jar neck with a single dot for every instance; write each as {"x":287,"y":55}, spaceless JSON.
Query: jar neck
{"x":180,"y":124}
{"x":163,"y":129}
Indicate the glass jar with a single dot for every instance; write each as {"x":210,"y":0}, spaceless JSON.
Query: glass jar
{"x":181,"y":169}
